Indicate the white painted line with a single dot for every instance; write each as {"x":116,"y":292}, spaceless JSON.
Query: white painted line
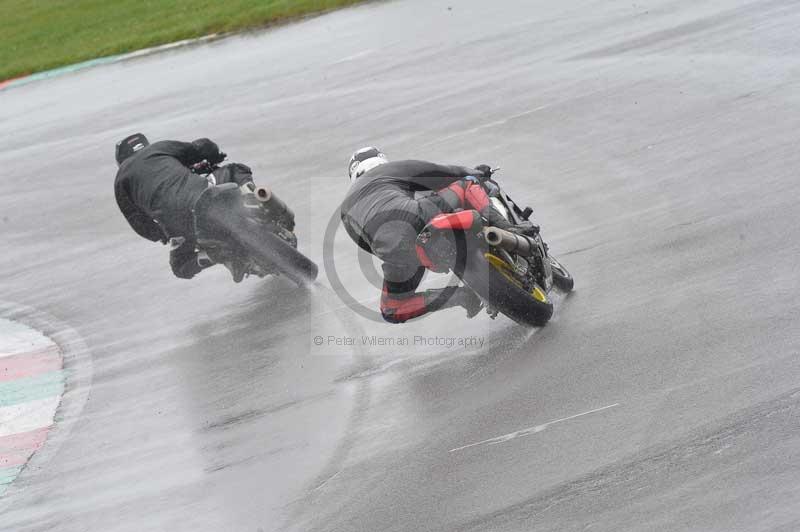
{"x":326,"y":481}
{"x":28,"y":416}
{"x":168,"y":46}
{"x":359,"y":55}
{"x":490,"y":124}
{"x":370,"y":372}
{"x":16,"y":339}
{"x":528,"y":431}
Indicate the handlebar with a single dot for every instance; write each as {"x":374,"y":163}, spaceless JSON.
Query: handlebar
{"x":203,"y":167}
{"x":484,"y":178}
{"x":206,"y":167}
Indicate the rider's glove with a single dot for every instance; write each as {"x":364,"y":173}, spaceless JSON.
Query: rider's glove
{"x":175,"y":242}
{"x":209,"y":150}
{"x":484,"y":171}
{"x":525,"y":228}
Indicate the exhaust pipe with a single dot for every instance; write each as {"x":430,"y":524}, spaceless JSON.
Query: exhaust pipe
{"x":273,"y":203}
{"x":511,"y":242}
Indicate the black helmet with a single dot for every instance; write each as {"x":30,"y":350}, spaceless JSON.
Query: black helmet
{"x":130,"y":145}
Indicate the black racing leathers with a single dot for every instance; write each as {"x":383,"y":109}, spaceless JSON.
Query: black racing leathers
{"x":156,"y":190}
{"x":382,"y":215}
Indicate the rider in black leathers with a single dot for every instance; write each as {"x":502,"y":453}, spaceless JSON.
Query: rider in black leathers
{"x":383,"y":216}
{"x":156,"y":191}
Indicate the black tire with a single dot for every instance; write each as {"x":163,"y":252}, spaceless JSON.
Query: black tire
{"x":272,"y":252}
{"x":506,"y":294}
{"x":562,"y":279}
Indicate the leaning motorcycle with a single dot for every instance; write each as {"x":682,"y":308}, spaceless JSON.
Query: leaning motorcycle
{"x":513,"y":274}
{"x":262,"y":243}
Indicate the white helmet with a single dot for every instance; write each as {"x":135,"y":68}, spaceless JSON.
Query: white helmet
{"x":365,"y":160}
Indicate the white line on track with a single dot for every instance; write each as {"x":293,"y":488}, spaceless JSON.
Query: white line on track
{"x":529,"y":430}
{"x":353,"y":57}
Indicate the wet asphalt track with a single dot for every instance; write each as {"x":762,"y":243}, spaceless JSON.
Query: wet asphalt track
{"x":657,"y":142}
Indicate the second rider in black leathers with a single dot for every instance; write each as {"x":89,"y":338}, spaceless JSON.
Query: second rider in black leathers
{"x":157,"y":191}
{"x":383,"y":216}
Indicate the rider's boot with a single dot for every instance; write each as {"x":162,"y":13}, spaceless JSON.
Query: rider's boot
{"x":454,"y":296}
{"x":237,"y":269}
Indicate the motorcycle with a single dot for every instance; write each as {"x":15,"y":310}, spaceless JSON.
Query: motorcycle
{"x":512,"y":274}
{"x":266,"y":245}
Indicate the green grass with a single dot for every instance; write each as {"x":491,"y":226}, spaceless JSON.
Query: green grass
{"x":38,"y":35}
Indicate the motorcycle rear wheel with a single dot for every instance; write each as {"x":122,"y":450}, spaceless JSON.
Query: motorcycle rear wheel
{"x":496,"y":282}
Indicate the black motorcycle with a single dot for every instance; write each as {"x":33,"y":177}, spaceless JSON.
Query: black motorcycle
{"x":259,"y":240}
{"x":511,"y":273}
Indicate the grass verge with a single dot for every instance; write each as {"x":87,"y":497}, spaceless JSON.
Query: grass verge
{"x":38,"y":35}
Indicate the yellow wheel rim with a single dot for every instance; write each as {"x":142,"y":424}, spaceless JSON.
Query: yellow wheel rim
{"x":505,"y":270}
{"x":538,"y":294}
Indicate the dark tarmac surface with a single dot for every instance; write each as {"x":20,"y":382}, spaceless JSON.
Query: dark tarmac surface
{"x":657,"y":142}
